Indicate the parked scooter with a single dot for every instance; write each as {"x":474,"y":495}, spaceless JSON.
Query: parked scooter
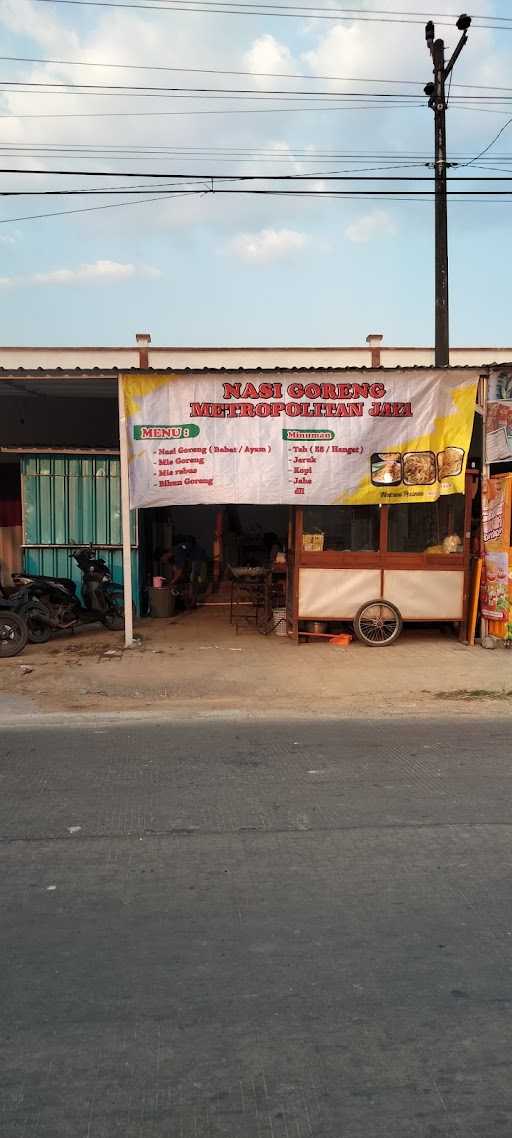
{"x":13,"y":631}
{"x":29,"y":610}
{"x":59,"y":607}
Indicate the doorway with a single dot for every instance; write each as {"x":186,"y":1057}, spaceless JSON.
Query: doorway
{"x":231,"y":536}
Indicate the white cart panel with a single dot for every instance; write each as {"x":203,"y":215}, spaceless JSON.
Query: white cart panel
{"x":425,"y":594}
{"x":336,"y":593}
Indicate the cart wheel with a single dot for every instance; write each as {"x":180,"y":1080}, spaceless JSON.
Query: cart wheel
{"x":378,"y":623}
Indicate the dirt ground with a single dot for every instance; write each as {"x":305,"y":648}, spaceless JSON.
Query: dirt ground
{"x":197,"y":664}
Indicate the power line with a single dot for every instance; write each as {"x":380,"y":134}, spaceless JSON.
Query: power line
{"x":245,"y":7}
{"x":213,"y":71}
{"x":129,"y":152}
{"x":208,"y":188}
{"x":380,"y":11}
{"x":93,"y":208}
{"x":248,"y":74}
{"x":374,"y":169}
{"x":303,"y":150}
{"x":191,"y":193}
{"x":338,"y":102}
{"x":129,"y":90}
{"x":239,"y":111}
{"x":119,"y":205}
{"x":354,"y":193}
{"x":151,"y":155}
{"x":242,"y":9}
{"x":326,"y":177}
{"x":98,"y":193}
{"x":480,"y":166}
{"x":280,"y":100}
{"x":492,"y":142}
{"x":125,"y":88}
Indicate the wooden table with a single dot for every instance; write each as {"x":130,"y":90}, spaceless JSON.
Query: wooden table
{"x":255,"y":590}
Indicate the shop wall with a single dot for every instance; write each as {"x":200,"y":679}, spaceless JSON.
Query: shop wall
{"x":58,"y":422}
{"x":70,"y":501}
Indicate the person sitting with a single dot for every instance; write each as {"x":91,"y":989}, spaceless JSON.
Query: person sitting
{"x":189,"y":569}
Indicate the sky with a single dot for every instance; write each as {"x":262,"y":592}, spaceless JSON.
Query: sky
{"x":222,"y":268}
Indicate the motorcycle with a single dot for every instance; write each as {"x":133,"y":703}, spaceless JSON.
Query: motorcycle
{"x":58,"y":606}
{"x":19,"y":608}
{"x":13,"y":630}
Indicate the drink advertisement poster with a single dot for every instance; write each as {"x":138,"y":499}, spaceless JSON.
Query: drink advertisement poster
{"x":498,"y":435}
{"x":495,"y":597}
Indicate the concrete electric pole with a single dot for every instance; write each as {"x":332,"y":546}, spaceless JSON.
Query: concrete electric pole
{"x":437,"y":101}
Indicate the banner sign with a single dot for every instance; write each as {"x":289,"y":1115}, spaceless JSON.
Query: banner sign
{"x":496,"y":586}
{"x":498,"y":437}
{"x":324,"y":437}
{"x":496,"y":511}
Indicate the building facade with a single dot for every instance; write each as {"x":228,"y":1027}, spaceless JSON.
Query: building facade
{"x":374,"y":353}
{"x":59,"y":438}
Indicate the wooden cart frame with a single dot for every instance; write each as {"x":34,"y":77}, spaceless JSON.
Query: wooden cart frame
{"x":431,"y":586}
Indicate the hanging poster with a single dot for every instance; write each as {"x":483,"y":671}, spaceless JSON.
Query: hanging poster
{"x":498,"y":440}
{"x":495,"y":597}
{"x":298,"y":437}
{"x":496,"y":511}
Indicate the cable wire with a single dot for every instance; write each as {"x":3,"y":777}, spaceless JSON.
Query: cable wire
{"x":243,"y":7}
{"x":146,"y":201}
{"x":248,"y":74}
{"x":487,"y":148}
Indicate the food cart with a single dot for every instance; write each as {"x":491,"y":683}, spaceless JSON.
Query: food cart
{"x":380,"y":565}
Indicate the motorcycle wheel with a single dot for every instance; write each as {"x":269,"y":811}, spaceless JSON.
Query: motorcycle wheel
{"x":13,"y":634}
{"x":113,"y":619}
{"x":39,"y":630}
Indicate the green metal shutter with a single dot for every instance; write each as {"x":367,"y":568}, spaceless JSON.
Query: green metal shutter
{"x":70,"y":501}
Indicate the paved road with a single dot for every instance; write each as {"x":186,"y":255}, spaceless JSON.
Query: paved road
{"x":256,"y":932}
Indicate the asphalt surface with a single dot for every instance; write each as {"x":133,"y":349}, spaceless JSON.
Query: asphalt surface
{"x":262,"y":931}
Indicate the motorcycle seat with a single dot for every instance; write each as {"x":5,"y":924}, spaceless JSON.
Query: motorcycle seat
{"x":66,"y":582}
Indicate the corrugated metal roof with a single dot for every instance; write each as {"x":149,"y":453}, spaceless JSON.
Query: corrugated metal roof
{"x":283,"y":369}
{"x":112,"y":373}
{"x":27,"y":372}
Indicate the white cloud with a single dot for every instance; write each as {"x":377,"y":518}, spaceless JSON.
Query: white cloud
{"x":10,"y":238}
{"x":39,"y":24}
{"x":268,"y":55}
{"x":359,"y":50}
{"x":267,"y":245}
{"x":102,"y":271}
{"x":371,"y":225}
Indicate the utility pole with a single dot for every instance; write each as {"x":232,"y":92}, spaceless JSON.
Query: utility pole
{"x":437,"y":102}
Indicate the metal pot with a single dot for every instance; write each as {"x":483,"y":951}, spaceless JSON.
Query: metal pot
{"x":317,"y":626}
